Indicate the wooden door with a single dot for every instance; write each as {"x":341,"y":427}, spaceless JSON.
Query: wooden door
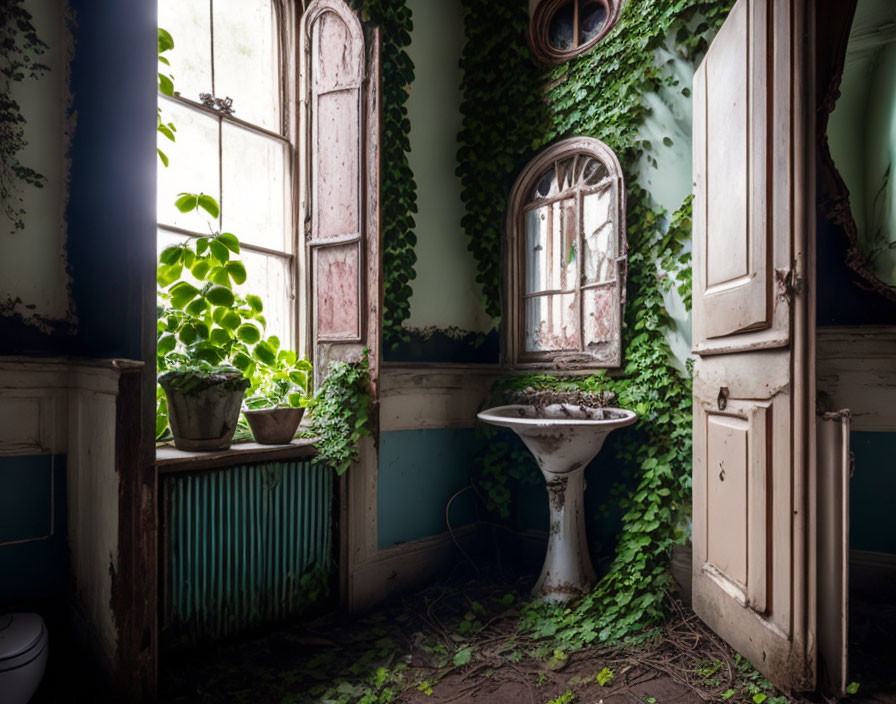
{"x":753,"y":489}
{"x":340,"y":125}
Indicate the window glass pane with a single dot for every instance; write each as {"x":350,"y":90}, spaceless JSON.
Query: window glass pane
{"x":255,"y":204}
{"x":552,"y":323}
{"x":536,"y":249}
{"x":591,"y":21}
{"x":599,"y":316}
{"x":189,"y":23}
{"x":193,"y":165}
{"x":599,"y":237}
{"x":268,"y":278}
{"x":560,"y":31}
{"x":246,"y":60}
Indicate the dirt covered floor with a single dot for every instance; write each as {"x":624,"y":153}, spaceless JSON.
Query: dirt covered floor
{"x":460,"y":641}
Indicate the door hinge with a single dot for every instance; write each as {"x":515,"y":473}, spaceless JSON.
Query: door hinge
{"x":787,"y":283}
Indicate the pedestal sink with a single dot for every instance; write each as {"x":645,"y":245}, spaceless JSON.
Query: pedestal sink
{"x":564,"y":438}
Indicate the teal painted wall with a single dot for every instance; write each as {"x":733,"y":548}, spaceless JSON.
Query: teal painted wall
{"x":419,"y":471}
{"x":32,"y":501}
{"x":872,"y":522}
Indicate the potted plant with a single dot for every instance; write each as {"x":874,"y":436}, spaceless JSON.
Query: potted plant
{"x":203,"y":405}
{"x":277,"y":402}
{"x":211,"y":345}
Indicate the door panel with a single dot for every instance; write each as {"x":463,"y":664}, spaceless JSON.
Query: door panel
{"x":340,"y":126}
{"x":736,"y":305}
{"x":753,"y":473}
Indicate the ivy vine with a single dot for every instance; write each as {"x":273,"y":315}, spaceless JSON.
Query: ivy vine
{"x":512,"y":109}
{"x":20,"y":59}
{"x":339,"y":413}
{"x":398,"y":190}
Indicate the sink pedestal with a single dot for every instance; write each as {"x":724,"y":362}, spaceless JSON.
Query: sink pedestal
{"x":564,"y":439}
{"x":567,"y":570}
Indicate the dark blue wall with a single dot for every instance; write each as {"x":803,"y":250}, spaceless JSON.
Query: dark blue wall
{"x":111,"y":212}
{"x":32,"y":490}
{"x":419,"y":471}
{"x":872,"y":523}
{"x":111,"y":207}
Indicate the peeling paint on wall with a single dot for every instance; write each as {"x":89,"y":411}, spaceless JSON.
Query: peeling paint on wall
{"x":35,"y":285}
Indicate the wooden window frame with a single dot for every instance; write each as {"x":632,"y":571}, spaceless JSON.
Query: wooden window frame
{"x":540,"y":29}
{"x":286,"y":16}
{"x":514,"y":326}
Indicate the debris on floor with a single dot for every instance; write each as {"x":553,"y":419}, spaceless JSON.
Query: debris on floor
{"x":461,"y":641}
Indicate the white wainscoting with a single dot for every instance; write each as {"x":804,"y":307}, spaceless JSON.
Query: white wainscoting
{"x":856,"y":369}
{"x":67,"y":406}
{"x":421,"y":396}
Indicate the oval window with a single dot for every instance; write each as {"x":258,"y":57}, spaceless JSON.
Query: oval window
{"x":561,"y":29}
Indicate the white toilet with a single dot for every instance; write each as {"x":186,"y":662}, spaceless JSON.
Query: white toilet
{"x":23,"y":656}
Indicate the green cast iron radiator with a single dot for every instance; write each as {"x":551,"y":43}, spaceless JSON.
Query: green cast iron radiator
{"x":244,"y":546}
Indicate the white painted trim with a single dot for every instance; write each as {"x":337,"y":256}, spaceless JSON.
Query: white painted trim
{"x":415,"y":397}
{"x":857,"y":370}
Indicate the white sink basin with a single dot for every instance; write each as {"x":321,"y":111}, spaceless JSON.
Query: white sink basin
{"x":564,"y":439}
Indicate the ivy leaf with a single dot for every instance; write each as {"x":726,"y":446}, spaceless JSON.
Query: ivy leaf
{"x":220,"y":296}
{"x":462,"y":657}
{"x":264,"y":353}
{"x":209,"y":205}
{"x":168,"y":274}
{"x":182,"y":293}
{"x":166,"y":344}
{"x":249,"y":334}
{"x":230,"y":241}
{"x":186,"y":202}
{"x":219,"y":252}
{"x":229,"y":320}
{"x":166,"y":85}
{"x":237,"y":272}
{"x":166,"y":41}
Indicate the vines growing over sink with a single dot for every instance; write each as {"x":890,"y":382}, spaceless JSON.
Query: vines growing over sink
{"x":512,"y":109}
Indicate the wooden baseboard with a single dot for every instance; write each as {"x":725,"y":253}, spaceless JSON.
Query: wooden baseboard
{"x":408,"y":566}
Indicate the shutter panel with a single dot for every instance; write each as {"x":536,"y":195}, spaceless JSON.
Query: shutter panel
{"x":754,"y":504}
{"x":340,"y":128}
{"x":341,"y":123}
{"x":742,"y":181}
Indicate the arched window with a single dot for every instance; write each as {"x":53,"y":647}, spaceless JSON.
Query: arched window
{"x":562,"y":29}
{"x":565,"y":257}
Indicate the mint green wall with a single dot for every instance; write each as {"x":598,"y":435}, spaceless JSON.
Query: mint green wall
{"x":419,"y":471}
{"x":862,"y":131}
{"x":880,"y":155}
{"x":445,"y":291}
{"x":872,"y":489}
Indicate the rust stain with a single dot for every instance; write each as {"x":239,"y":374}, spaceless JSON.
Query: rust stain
{"x":557,"y":492}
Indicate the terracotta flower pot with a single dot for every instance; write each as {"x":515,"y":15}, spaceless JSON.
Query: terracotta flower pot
{"x":274,"y":426}
{"x":203,"y":410}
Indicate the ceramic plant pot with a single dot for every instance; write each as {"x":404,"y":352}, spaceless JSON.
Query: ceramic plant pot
{"x":203,"y":409}
{"x":274,"y":426}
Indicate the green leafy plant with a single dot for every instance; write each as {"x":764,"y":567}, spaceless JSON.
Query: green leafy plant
{"x":166,"y":87}
{"x":20,"y":59}
{"x":203,"y":322}
{"x":339,"y":412}
{"x":513,"y":108}
{"x":398,"y":190}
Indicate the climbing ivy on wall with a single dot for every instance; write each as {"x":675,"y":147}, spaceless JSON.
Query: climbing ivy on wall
{"x":512,"y":109}
{"x":20,"y":59}
{"x":398,"y":191}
